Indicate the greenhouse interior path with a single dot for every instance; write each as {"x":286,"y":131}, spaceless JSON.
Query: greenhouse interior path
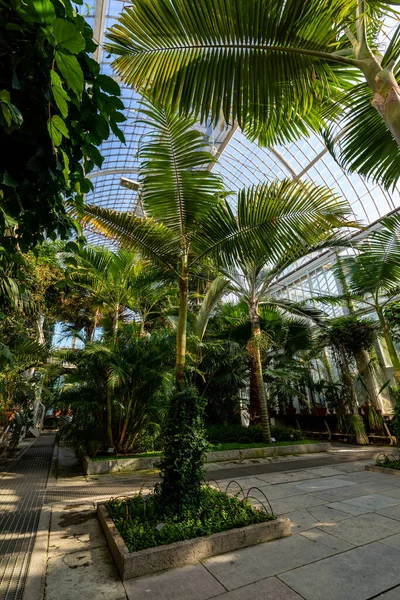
{"x":22,"y":489}
{"x":345,"y":542}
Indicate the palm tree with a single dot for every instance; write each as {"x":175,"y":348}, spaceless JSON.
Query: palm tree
{"x":373,"y":277}
{"x":277,"y":67}
{"x":186,"y":220}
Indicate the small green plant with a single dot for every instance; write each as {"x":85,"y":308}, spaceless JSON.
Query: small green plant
{"x":143,"y":523}
{"x":388,"y":462}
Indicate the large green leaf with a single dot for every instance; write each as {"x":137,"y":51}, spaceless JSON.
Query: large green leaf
{"x":70,"y":69}
{"x":267,"y":65}
{"x":60,"y":95}
{"x":67,"y":36}
{"x":57,"y":129}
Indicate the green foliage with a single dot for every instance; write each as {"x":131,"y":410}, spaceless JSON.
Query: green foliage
{"x":143,"y":523}
{"x":395,"y":393}
{"x":137,"y":371}
{"x":55,"y":109}
{"x":352,"y":333}
{"x":392,"y":316}
{"x":184,"y":447}
{"x":249,"y":435}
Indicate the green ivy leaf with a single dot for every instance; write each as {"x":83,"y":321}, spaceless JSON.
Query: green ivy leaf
{"x":71,"y":71}
{"x":66,"y":168}
{"x":117,"y":117}
{"x":8,"y":180}
{"x":6,"y":113}
{"x":117,"y":132}
{"x":67,"y":36}
{"x":41,"y":11}
{"x":60,"y":95}
{"x":100,"y":126}
{"x":108,"y":85}
{"x":57,"y":129}
{"x":92,"y":152}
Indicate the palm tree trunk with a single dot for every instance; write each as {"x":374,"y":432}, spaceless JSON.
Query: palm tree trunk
{"x":390,"y":344}
{"x":362,"y":360}
{"x":182,"y":327}
{"x":254,"y":407}
{"x":110,"y":441}
{"x":256,"y":357}
{"x":360,"y":433}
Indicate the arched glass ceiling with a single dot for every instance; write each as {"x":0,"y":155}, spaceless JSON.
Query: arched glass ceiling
{"x":240,"y":162}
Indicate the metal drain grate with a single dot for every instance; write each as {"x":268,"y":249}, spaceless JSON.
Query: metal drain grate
{"x":22,"y":488}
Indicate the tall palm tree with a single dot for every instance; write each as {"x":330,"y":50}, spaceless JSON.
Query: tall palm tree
{"x":373,"y":276}
{"x":186,"y":220}
{"x":277,"y":67}
{"x":252,"y":279}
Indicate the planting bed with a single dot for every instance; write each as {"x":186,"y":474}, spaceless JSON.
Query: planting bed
{"x":144,"y":541}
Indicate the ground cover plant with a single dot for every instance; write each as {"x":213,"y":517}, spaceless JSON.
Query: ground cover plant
{"x":143,"y":522}
{"x":388,"y":461}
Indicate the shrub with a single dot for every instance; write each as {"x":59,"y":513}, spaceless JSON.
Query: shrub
{"x":248,"y":435}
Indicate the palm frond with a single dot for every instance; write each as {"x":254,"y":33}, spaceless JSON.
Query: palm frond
{"x":267,"y":65}
{"x":273,"y":220}
{"x":177,"y":187}
{"x":217,"y":289}
{"x":152,"y":239}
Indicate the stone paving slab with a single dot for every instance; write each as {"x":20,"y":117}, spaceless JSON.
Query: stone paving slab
{"x":193,"y":582}
{"x":84,"y":575}
{"x":393,"y":541}
{"x":349,"y":509}
{"x":74,"y":527}
{"x":351,"y":575}
{"x":392,"y":595}
{"x":326,"y":514}
{"x":267,"y":589}
{"x":316,"y":535}
{"x":363,"y":529}
{"x":288,"y":505}
{"x":352,"y":491}
{"x":237,"y":569}
{"x":373,"y":501}
{"x":301,"y":520}
{"x":393,"y":512}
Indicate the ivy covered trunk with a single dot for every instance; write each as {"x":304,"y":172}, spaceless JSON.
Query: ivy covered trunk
{"x":184,"y":448}
{"x":184,"y":437}
{"x":256,"y":357}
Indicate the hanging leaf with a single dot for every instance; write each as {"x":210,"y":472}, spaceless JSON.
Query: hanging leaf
{"x":57,"y":129}
{"x":94,"y":155}
{"x":117,"y":117}
{"x":71,"y":71}
{"x":67,"y":36}
{"x":108,"y":85}
{"x":60,"y":96}
{"x":66,"y":168}
{"x":99,"y":126}
{"x":117,"y":132}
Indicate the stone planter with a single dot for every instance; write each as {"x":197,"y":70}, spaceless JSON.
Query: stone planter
{"x":377,"y":469}
{"x":94,"y":467}
{"x":187,"y":552}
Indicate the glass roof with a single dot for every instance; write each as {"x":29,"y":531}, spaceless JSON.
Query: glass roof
{"x":240,"y":161}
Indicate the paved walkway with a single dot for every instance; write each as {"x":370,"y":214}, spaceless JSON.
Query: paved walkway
{"x":22,"y":488}
{"x":345,"y":543}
